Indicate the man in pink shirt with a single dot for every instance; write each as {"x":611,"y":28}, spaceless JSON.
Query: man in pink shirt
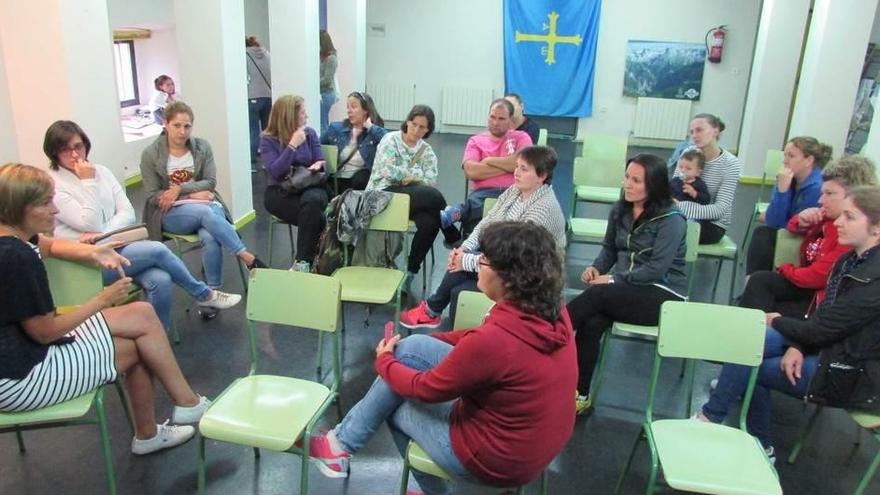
{"x":489,"y":160}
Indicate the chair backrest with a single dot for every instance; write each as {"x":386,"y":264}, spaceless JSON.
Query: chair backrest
{"x":602,"y":163}
{"x":693,"y":242}
{"x":331,"y":154}
{"x":488,"y":203}
{"x":542,"y":137}
{"x":711,"y":332}
{"x":295,"y":299}
{"x":772,"y":166}
{"x":788,"y":248}
{"x":471,"y":309}
{"x":72,"y":283}
{"x":395,"y":216}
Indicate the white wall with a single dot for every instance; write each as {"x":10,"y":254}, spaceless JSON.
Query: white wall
{"x":346,"y":23}
{"x":8,"y":146}
{"x":459,"y":42}
{"x":128,"y":13}
{"x":256,"y":21}
{"x":155,"y":56}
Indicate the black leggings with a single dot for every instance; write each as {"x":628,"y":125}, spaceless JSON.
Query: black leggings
{"x":710,"y":233}
{"x":358,"y":181}
{"x":305,"y":210}
{"x":595,"y":309}
{"x":425,"y":205}
{"x":772,"y":293}
{"x":761,"y":249}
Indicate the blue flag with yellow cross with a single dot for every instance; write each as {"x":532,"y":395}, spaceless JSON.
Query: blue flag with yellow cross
{"x":550,"y":54}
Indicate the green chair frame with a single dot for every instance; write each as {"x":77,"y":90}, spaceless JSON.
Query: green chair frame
{"x":542,"y":137}
{"x":697,"y":456}
{"x":273,"y":412}
{"x":488,"y":204}
{"x":471,"y":309}
{"x":331,"y":154}
{"x":273,"y":221}
{"x":772,"y":166}
{"x":788,"y":248}
{"x":378,"y":285}
{"x":645,"y":333}
{"x":865,"y":420}
{"x":596,"y":178}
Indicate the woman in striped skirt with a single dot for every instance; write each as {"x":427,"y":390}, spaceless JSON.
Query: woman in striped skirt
{"x":46,"y":358}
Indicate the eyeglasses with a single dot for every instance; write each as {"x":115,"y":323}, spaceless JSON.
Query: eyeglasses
{"x":485,"y":263}
{"x":80,"y":148}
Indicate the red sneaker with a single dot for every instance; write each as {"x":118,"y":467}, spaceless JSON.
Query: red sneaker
{"x":418,"y":317}
{"x":321,"y":455}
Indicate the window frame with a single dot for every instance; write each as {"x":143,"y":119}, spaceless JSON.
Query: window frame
{"x":136,"y":100}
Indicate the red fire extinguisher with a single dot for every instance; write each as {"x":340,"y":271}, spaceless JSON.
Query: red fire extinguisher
{"x":716,"y":48}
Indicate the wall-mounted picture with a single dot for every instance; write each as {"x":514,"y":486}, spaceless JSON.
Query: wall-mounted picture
{"x":664,"y":69}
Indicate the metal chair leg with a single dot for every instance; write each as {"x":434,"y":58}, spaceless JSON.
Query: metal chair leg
{"x":807,"y":430}
{"x":105,"y":442}
{"x":869,"y":474}
{"x":20,"y":440}
{"x":202,"y":467}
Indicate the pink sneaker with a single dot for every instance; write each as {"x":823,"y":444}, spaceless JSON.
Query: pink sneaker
{"x":321,"y":455}
{"x":418,"y":317}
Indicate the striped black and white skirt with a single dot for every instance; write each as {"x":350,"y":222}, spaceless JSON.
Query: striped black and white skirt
{"x":68,"y":371}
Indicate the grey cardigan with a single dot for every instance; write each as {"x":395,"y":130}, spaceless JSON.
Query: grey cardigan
{"x":154,"y":173}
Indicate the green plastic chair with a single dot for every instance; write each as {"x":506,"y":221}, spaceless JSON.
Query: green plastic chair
{"x":772,"y":166}
{"x":273,"y":221}
{"x":417,"y":459}
{"x":488,"y":204}
{"x":273,"y":412}
{"x":697,"y":456}
{"x":542,"y":137}
{"x":864,"y":420}
{"x":644,"y":333}
{"x":788,"y":248}
{"x":377,"y":285}
{"x":596,"y":178}
{"x":723,"y":250}
{"x":331,"y":154}
{"x":471,"y":309}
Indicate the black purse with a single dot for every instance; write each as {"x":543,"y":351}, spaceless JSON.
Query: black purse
{"x":301,"y":178}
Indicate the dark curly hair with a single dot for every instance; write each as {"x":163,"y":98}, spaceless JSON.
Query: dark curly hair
{"x":527,"y":260}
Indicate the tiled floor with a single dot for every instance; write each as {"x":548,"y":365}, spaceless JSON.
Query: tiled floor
{"x":212,"y":354}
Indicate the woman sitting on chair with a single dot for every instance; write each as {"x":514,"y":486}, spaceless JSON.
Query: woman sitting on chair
{"x":288,"y":143}
{"x":47,"y":358}
{"x":179,"y":179}
{"x":640,"y":267}
{"x":356,"y":138}
{"x":490,"y":405}
{"x":790,"y":289}
{"x":831,"y":358}
{"x":529,"y":199}
{"x":92,"y":202}
{"x":405,"y":163}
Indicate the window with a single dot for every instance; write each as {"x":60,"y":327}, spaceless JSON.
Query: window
{"x":126,"y":73}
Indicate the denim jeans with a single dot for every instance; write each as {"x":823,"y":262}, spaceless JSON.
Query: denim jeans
{"x":735,"y":378}
{"x":258,"y":117}
{"x":214,"y":231}
{"x":154,"y":267}
{"x":472,"y":208}
{"x":449,"y":289}
{"x":426,"y":424}
{"x":327,"y":101}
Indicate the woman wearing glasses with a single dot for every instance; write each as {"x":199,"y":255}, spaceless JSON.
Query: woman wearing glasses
{"x":92,"y":202}
{"x":357,"y":139}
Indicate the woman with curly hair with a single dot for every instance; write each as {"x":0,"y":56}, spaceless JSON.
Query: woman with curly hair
{"x":510,"y":379}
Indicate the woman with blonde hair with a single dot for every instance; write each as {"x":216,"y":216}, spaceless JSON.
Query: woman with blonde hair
{"x":285,"y":145}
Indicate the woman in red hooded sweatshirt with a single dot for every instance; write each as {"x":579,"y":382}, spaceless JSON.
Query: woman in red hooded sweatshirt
{"x":491,"y":405}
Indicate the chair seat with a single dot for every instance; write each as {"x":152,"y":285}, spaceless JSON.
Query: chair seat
{"x":193,"y":238}
{"x":710,"y":458}
{"x":72,"y":409}
{"x":589,"y":227}
{"x":628,"y":329}
{"x":420,"y":461}
{"x":866,"y":419}
{"x":264,"y":411}
{"x":370,"y":285}
{"x":725,"y":248}
{"x":597,"y":194}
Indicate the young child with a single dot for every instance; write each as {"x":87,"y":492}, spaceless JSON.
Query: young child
{"x":690,"y":166}
{"x":163,"y":95}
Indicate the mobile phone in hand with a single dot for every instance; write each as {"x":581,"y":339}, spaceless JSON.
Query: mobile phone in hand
{"x":389,"y":331}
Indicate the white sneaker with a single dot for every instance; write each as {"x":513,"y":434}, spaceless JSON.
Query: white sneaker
{"x":183,"y":415}
{"x":301,"y":266}
{"x":713,"y":384}
{"x":167,"y":436}
{"x":220,"y":300}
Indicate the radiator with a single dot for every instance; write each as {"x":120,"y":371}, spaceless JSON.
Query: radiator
{"x":662,"y":118}
{"x":393,"y":100}
{"x":466,"y":106}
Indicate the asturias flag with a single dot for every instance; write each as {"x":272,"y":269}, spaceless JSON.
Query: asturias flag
{"x":550,"y":54}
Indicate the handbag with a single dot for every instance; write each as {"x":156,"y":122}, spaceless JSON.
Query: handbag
{"x":125,"y":235}
{"x":301,"y":178}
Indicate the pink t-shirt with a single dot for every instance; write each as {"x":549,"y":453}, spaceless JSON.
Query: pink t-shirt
{"x":484,"y":145}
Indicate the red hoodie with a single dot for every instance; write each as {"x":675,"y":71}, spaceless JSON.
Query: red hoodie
{"x":814,"y":270}
{"x":514,"y":378}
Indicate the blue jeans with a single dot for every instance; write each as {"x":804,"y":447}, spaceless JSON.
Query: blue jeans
{"x":215,"y":232}
{"x":154,"y":267}
{"x":735,"y":378}
{"x":472,"y":208}
{"x":327,"y":101}
{"x":447,"y":292}
{"x":426,"y":424}
{"x":258,"y":117}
